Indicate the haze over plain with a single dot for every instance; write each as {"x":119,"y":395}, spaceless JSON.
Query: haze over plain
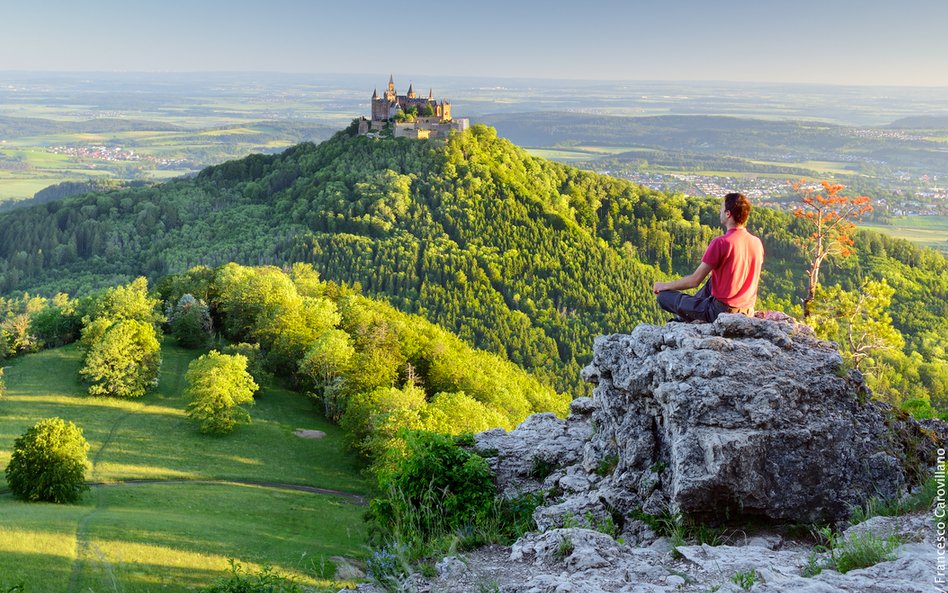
{"x":810,"y":41}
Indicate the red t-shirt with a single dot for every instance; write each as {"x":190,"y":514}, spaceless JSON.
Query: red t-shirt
{"x":735,"y":259}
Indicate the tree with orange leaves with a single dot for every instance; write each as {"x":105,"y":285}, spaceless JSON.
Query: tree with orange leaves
{"x":831,"y":215}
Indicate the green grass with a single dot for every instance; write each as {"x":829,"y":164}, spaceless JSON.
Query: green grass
{"x":926,"y":231}
{"x":26,"y":187}
{"x":178,"y":534}
{"x":556,"y":154}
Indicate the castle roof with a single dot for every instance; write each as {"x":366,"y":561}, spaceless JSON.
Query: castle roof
{"x":375,"y":94}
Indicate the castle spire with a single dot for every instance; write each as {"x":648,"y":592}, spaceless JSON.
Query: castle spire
{"x":391,"y":84}
{"x":430,"y":95}
{"x":411,"y":91}
{"x":375,"y":94}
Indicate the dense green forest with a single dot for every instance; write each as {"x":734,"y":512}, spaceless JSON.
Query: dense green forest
{"x":519,"y":256}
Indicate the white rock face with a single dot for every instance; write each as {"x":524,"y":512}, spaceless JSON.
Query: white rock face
{"x":735,"y":418}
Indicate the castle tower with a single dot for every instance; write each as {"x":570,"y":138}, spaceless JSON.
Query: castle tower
{"x":379,"y":109}
{"x":411,"y":91}
{"x":390,"y":94}
{"x":430,"y":96}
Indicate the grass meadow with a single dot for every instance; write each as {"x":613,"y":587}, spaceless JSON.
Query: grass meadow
{"x":926,"y":231}
{"x":172,"y":506}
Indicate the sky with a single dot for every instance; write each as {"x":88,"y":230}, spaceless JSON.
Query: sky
{"x":849,"y":42}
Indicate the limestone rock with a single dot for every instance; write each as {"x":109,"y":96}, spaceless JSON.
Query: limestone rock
{"x":538,"y":449}
{"x":739,"y":417}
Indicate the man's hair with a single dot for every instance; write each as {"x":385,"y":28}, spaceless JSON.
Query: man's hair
{"x":739,"y":207}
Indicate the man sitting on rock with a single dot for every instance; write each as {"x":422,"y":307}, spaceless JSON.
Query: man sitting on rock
{"x":734,"y":262}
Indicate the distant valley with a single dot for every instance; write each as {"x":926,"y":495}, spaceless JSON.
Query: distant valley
{"x":695,"y":138}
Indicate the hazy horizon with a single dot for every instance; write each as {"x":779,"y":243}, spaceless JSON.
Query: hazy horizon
{"x":845,"y":42}
{"x":436,"y":76}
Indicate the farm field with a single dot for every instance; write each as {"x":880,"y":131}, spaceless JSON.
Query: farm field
{"x":927,"y":231}
{"x":171,"y":506}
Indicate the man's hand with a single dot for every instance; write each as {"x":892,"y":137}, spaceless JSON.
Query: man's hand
{"x":690,"y":281}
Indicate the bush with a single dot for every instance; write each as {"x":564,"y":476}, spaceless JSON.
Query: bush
{"x":218,"y":384}
{"x":49,"y":463}
{"x":241,"y":581}
{"x":435,"y":488}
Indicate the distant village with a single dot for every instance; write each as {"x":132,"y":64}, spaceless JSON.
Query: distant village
{"x":774,"y":192}
{"x":113,"y":153}
{"x":410,"y":116}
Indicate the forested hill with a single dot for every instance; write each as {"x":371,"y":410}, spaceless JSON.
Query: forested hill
{"x":518,"y":255}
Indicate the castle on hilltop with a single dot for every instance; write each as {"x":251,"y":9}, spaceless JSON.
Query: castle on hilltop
{"x":410,"y":115}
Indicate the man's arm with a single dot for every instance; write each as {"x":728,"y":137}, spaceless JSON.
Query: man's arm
{"x":690,"y":281}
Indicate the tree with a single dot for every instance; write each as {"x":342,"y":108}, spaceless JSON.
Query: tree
{"x":255,"y":359}
{"x":124,"y":361}
{"x":49,"y":463}
{"x":218,"y":385}
{"x":57,"y":325}
{"x":3,"y":385}
{"x":859,"y":322}
{"x":289,"y":330}
{"x":324,"y":362}
{"x":128,"y":302}
{"x":191,"y":322}
{"x":831,"y":217}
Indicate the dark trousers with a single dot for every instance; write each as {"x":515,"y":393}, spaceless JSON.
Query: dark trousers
{"x":700,"y":307}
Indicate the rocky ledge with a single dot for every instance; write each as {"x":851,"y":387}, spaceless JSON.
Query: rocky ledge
{"x":738,"y":419}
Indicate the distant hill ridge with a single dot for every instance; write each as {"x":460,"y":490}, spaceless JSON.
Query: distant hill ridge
{"x":516,"y":254}
{"x":18,"y":127}
{"x":921,"y":122}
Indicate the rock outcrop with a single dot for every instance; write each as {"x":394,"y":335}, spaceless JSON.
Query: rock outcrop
{"x":735,"y":419}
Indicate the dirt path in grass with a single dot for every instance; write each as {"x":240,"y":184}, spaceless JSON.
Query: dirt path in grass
{"x":357,"y":499}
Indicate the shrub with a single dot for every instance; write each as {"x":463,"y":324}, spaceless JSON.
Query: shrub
{"x":218,"y":384}
{"x":241,"y":581}
{"x":49,"y":463}
{"x":123,"y":361}
{"x":3,"y":386}
{"x":389,"y":568}
{"x":436,"y":487}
